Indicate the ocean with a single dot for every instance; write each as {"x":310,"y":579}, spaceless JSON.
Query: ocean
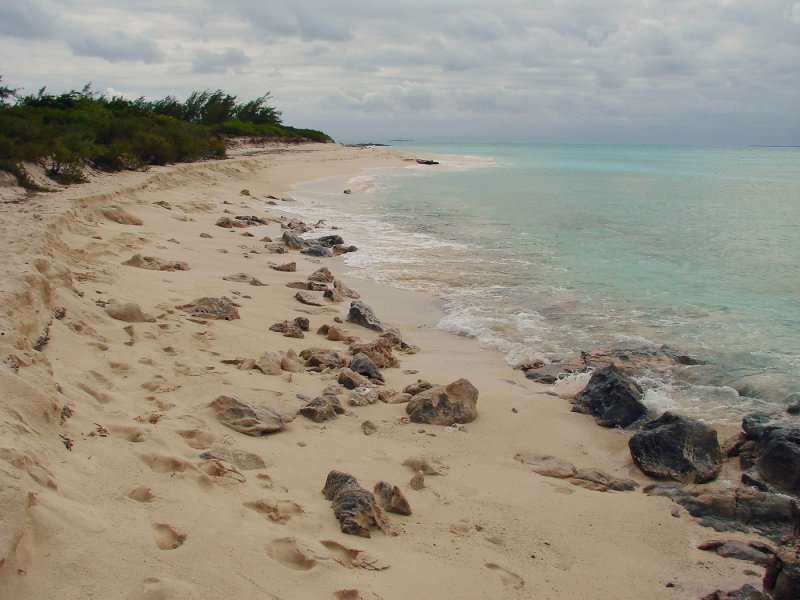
{"x":544,"y":251}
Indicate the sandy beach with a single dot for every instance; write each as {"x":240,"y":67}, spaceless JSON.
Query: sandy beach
{"x":118,"y":480}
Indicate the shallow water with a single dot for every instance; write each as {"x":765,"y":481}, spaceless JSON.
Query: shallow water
{"x":542,"y":251}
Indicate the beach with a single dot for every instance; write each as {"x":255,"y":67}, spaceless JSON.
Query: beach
{"x":119,"y":480}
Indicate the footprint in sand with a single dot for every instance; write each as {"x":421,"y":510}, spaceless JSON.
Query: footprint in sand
{"x":167,"y":537}
{"x":278,"y":511}
{"x":292,"y":554}
{"x":158,"y":588}
{"x":161,"y":463}
{"x":101,"y":397}
{"x":353,"y":557}
{"x":130,"y":433}
{"x":198,"y":439}
{"x":510,"y":579}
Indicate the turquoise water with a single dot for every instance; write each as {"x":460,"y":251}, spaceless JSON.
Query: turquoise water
{"x":542,"y":251}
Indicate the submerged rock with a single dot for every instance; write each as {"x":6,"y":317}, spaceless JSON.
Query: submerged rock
{"x":612,"y":398}
{"x":455,"y":403}
{"x":678,"y":448}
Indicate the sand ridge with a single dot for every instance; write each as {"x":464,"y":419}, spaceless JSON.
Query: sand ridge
{"x":118,"y":480}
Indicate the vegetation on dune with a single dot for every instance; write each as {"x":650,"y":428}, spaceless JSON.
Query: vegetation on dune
{"x":70,"y":131}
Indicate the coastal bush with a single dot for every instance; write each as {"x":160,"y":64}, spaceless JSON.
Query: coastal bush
{"x":67,"y":132}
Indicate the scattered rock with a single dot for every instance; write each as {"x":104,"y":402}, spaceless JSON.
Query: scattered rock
{"x":677,"y":448}
{"x":251,"y":220}
{"x":241,"y":458}
{"x":243,"y":278}
{"x":293,"y":329}
{"x":369,"y":428}
{"x":121,"y":216}
{"x":207,"y":236}
{"x":731,"y":507}
{"x":212,"y":308}
{"x":549,"y":466}
{"x":322,"y":409}
{"x":456,"y":403}
{"x":322,"y":358}
{"x":779,"y":454}
{"x":344,"y":290}
{"x":334,"y":295}
{"x":322,"y":275}
{"x":395,"y":339}
{"x":398,"y":398}
{"x":291,"y":363}
{"x":746,"y":592}
{"x":306,"y":298}
{"x":599,"y":481}
{"x":293,"y":241}
{"x":361,"y":314}
{"x":753,"y":551}
{"x":269,"y":363}
{"x":251,"y":419}
{"x":391,"y":499}
{"x":335,"y":334}
{"x":416,"y":388}
{"x":155,"y":264}
{"x":354,"y":507}
{"x":363,"y":365}
{"x":228,"y":223}
{"x":612,"y":398}
{"x":417,"y":481}
{"x":290,"y":267}
{"x":352,"y":380}
{"x":338,"y":250}
{"x":379,"y":351}
{"x":362,"y":396}
{"x":782,"y":577}
{"x":329,"y":241}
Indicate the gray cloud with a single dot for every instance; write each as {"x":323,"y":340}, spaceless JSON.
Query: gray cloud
{"x":219,"y":62}
{"x":573,"y":70}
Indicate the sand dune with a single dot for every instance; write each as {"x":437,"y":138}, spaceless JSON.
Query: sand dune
{"x":118,"y":480}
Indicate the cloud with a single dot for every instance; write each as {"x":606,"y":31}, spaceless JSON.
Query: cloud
{"x":25,"y":20}
{"x":114,"y":46}
{"x":219,"y":62}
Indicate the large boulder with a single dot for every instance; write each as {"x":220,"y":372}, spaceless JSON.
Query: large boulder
{"x":612,"y":398}
{"x":362,"y":314}
{"x":455,"y":403}
{"x":678,"y":448}
{"x":779,"y":462}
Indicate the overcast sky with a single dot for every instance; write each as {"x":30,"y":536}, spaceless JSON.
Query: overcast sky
{"x":653,"y":71}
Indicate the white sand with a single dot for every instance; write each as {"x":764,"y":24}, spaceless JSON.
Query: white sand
{"x":133,"y":511}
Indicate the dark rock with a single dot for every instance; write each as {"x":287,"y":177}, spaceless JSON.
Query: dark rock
{"x":731,"y":507}
{"x":754,"y":551}
{"x":748,"y":454}
{"x":782,"y":577}
{"x":364,"y":365}
{"x":351,"y":380}
{"x":391,"y":498}
{"x":321,"y":409}
{"x":287,"y":329}
{"x":339,"y":250}
{"x":746,"y":592}
{"x":354,"y":507}
{"x":398,"y":343}
{"x":456,"y":403}
{"x":792,"y":403}
{"x":612,"y":398}
{"x":293,"y":241}
{"x":779,"y":462}
{"x":754,"y":424}
{"x":678,"y":448}
{"x":329,"y":241}
{"x":320,"y":251}
{"x":362,"y":314}
{"x":251,"y":419}
{"x":252,"y":220}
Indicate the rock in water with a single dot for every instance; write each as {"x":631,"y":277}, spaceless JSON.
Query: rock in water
{"x":391,"y":498}
{"x":320,"y":251}
{"x":612,"y":398}
{"x":354,"y":507}
{"x":678,"y":448}
{"x":361,"y":314}
{"x":250,"y":419}
{"x":456,"y":403}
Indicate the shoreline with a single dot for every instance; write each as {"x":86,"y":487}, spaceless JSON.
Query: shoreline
{"x":137,"y":509}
